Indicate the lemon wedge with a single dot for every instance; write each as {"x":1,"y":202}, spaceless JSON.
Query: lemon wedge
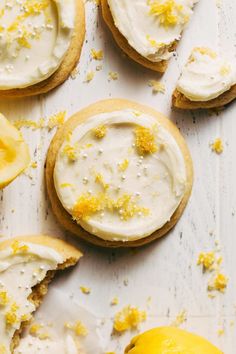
{"x":14,"y":152}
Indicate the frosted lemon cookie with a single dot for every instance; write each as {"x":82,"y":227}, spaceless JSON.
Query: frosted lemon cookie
{"x":118,"y":174}
{"x":170,"y":340}
{"x":148,"y":30}
{"x":61,"y":326}
{"x":208,"y":80}
{"x":40,"y":44}
{"x":14,"y":152}
{"x":27,"y":264}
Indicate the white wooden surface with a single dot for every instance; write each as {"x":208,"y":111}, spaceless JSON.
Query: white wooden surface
{"x":165,"y":270}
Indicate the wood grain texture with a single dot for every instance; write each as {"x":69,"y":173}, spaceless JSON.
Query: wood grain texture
{"x":165,"y":270}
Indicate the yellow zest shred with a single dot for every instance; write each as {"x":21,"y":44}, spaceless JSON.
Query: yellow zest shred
{"x":225,"y":70}
{"x":180,"y":319}
{"x":112,"y":75}
{"x":25,"y":318}
{"x":89,"y":76}
{"x":100,"y":131}
{"x":35,"y":328}
{"x":3,"y":298}
{"x":217,"y":146}
{"x":56,"y":120}
{"x":99,"y":179}
{"x":11,"y":316}
{"x":115,"y":301}
{"x":169,"y":12}
{"x":85,"y":290}
{"x":65,"y":185}
{"x":24,"y":123}
{"x":127,"y":207}
{"x":32,"y":8}
{"x":34,"y":164}
{"x":145,"y":141}
{"x":207,"y":260}
{"x":17,"y":248}
{"x":124,"y":165}
{"x":86,"y":206}
{"x":36,"y":331}
{"x":157,"y":86}
{"x":219,"y":283}
{"x":220,"y":332}
{"x":78,"y":328}
{"x":206,"y":51}
{"x":96,"y":54}
{"x":128,"y":318}
{"x":70,"y":151}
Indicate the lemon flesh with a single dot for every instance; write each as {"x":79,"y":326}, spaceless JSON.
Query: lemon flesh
{"x":14,"y":152}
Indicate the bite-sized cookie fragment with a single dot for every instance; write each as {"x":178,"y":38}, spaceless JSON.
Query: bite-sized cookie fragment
{"x":27,"y":265}
{"x":40,"y":44}
{"x":170,"y":340}
{"x":148,"y":30}
{"x":14,"y":152}
{"x":118,"y":174}
{"x":208,"y":80}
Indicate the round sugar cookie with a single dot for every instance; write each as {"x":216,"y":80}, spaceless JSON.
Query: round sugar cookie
{"x":118,"y":174}
{"x":40,"y":28}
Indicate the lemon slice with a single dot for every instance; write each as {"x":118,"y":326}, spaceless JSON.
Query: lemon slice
{"x":14,"y":152}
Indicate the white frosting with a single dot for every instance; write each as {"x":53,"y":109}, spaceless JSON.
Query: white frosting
{"x":19,"y":273}
{"x":57,"y":309}
{"x":155,"y":181}
{"x":33,"y":42}
{"x":145,"y":31}
{"x":206,"y":75}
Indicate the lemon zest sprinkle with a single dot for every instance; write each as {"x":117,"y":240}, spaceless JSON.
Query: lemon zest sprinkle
{"x":169,"y":12}
{"x":99,"y":179}
{"x":11,"y":316}
{"x":217,"y":146}
{"x":56,"y":120}
{"x":219,"y":283}
{"x":112,"y":75}
{"x":97,"y":54}
{"x":85,"y":290}
{"x":100,"y":131}
{"x":207,"y":260}
{"x":145,"y":140}
{"x":157,"y":86}
{"x":79,"y":328}
{"x":128,"y":318}
{"x":17,"y":248}
{"x":3,"y":298}
{"x":124,"y":165}
{"x":115,"y":301}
